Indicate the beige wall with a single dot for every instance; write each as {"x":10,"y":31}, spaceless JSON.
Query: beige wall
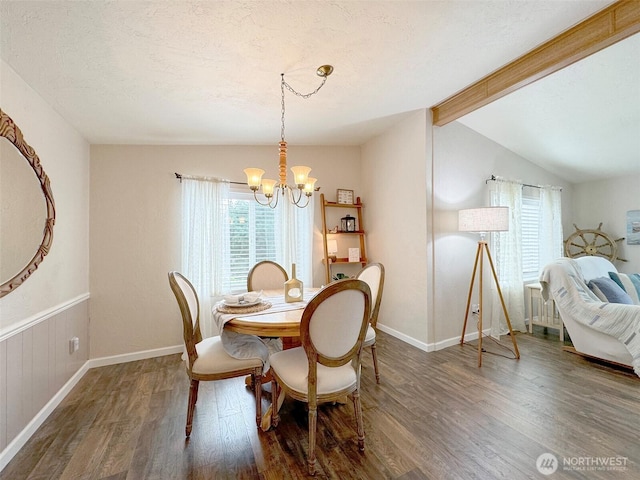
{"x":64,"y":155}
{"x":414,"y":185}
{"x":463,"y":160}
{"x":396,"y":181}
{"x":135,"y":229}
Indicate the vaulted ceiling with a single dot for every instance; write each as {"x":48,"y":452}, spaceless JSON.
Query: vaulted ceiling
{"x":208,"y":72}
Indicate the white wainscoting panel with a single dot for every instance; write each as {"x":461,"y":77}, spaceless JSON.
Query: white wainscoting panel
{"x":3,"y":395}
{"x":36,"y":362}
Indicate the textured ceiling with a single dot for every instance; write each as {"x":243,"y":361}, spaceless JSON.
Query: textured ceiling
{"x":208,"y":72}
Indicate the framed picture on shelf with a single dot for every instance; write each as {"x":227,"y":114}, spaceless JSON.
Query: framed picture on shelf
{"x":345,"y":196}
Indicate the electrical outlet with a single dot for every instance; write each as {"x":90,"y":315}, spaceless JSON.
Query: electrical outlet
{"x":475,"y":309}
{"x":74,"y":344}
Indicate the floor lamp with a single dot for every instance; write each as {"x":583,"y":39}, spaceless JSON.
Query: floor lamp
{"x":483,"y":220}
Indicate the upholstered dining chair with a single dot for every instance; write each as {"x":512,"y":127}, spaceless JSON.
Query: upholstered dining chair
{"x":266,"y":275}
{"x":207,"y":359}
{"x":326,"y":368}
{"x":373,"y":275}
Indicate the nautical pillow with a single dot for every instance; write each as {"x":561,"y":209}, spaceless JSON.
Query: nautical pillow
{"x":630,"y":283}
{"x":604,"y":287}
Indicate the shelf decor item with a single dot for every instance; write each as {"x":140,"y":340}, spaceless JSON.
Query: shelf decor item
{"x":293,"y":287}
{"x":591,"y":241}
{"x":345,"y":196}
{"x":348,"y":223}
{"x":354,"y":255}
{"x":332,"y":249}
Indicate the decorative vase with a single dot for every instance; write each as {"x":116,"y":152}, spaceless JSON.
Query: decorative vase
{"x":293,"y":287}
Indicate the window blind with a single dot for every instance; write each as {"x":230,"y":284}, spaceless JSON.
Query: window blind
{"x":252,"y":239}
{"x":530,"y":223}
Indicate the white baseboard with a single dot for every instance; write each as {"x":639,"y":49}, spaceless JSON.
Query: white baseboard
{"x":456,"y":340}
{"x":21,"y":439}
{"x":430,"y":347}
{"x":405,"y":338}
{"x":132,"y":357}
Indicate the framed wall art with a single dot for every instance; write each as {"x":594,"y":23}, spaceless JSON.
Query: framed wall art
{"x":345,"y":196}
{"x":633,"y":227}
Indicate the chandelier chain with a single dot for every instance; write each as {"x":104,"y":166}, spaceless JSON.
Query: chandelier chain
{"x":283,"y":85}
{"x":303,"y":95}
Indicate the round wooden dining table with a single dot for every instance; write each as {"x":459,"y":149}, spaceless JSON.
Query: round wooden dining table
{"x":278,"y":324}
{"x":284,"y":324}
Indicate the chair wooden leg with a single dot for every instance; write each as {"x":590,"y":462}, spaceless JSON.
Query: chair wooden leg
{"x":357,"y":406}
{"x":374,"y":354}
{"x":311,"y":459}
{"x":193,"y":397}
{"x":257,"y":384}
{"x":275,"y":411}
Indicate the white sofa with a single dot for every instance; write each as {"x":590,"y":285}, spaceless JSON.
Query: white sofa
{"x":568,"y":278}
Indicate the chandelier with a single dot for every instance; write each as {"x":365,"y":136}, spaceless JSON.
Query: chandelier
{"x":302,"y":189}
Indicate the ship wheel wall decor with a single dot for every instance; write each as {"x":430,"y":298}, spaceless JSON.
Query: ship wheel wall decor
{"x":593,"y":242}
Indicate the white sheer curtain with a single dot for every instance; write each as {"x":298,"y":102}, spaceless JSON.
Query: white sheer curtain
{"x":507,"y":256}
{"x":550,"y":233}
{"x":205,"y":240}
{"x":294,"y":226}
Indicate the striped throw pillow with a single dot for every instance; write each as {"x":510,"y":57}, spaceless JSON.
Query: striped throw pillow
{"x":630,"y":283}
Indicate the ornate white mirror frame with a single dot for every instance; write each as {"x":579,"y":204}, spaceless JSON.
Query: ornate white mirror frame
{"x":10,"y":131}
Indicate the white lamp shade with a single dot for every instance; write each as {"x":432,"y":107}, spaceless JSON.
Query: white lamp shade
{"x":332,"y":246}
{"x":268,"y":186}
{"x":300,"y":174}
{"x":485,"y":219}
{"x":310,"y":185}
{"x":254,"y":176}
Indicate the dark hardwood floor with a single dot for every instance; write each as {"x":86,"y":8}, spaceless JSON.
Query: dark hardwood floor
{"x":433,"y":416}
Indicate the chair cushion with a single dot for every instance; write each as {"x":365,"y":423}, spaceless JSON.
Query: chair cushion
{"x":370,"y":338}
{"x":630,"y":283}
{"x":292,"y":367}
{"x":212,"y":359}
{"x":607,"y":288}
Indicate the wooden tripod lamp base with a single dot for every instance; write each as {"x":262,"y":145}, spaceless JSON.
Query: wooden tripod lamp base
{"x":482,"y":220}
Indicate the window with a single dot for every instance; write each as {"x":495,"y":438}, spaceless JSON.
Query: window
{"x":530,"y":224}
{"x":541,"y":226}
{"x":256,"y":233}
{"x":533,"y":240}
{"x":252,"y":238}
